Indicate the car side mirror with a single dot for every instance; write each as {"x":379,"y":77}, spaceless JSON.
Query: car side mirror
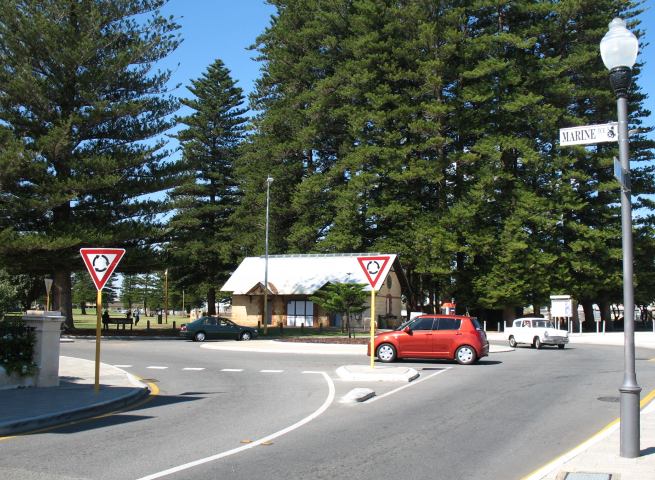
{"x":407,"y":330}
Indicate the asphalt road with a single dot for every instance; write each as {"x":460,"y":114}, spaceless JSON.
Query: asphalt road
{"x":499,"y":419}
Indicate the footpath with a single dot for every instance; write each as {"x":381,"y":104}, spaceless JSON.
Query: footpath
{"x":27,"y":410}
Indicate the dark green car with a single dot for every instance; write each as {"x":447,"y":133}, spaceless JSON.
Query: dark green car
{"x":216,"y":327}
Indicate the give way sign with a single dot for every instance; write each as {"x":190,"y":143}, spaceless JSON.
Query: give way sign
{"x":375,"y":268}
{"x":101,"y":263}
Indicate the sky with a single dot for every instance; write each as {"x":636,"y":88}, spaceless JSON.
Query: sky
{"x":224,"y":29}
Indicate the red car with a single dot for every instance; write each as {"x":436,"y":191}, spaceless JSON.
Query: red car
{"x":450,"y":337}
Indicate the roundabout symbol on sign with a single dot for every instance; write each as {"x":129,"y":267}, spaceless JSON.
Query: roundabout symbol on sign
{"x":100,"y":268}
{"x":373,"y":267}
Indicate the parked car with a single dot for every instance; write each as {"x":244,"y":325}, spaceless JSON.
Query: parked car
{"x":449,"y":337}
{"x":216,"y":327}
{"x":536,"y":332}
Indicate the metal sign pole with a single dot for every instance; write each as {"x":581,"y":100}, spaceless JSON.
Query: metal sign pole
{"x":98,"y":333}
{"x":372,"y":327}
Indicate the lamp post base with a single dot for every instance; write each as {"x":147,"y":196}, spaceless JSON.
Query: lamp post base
{"x":630,"y":422}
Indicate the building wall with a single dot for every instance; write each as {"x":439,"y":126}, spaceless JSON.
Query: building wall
{"x":247,"y":309}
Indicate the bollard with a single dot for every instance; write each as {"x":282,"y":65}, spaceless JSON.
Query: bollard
{"x":281,"y":329}
{"x":603,"y":327}
{"x":597,"y":328}
{"x":173,"y":324}
{"x":580,"y":325}
{"x":148,"y":325}
{"x":302,"y":328}
{"x":485,"y":325}
{"x":320,"y":328}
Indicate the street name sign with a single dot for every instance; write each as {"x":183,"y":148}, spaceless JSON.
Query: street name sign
{"x":101,"y":263}
{"x":588,"y":134}
{"x":375,"y":268}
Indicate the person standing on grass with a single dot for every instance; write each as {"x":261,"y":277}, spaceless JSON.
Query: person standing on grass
{"x":136,"y":316}
{"x":128,"y":315}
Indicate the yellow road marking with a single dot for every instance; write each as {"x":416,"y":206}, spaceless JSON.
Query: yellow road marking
{"x":642,"y":404}
{"x":154,"y":391}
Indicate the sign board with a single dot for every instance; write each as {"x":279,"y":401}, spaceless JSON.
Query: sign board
{"x":561,"y":306}
{"x":375,"y":268}
{"x":621,"y":175}
{"x":589,"y":134}
{"x":101,"y":263}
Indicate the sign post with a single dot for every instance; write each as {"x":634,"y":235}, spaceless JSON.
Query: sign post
{"x":101,"y":263}
{"x":48,"y":286}
{"x":376,"y":269}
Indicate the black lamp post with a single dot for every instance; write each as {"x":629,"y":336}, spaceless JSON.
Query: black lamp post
{"x":619,"y":48}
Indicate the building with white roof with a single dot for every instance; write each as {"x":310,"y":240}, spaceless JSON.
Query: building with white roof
{"x":292,"y":279}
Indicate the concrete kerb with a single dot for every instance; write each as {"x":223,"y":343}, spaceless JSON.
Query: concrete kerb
{"x":74,"y":401}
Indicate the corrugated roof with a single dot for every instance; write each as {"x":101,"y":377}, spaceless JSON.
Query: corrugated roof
{"x":298,"y":274}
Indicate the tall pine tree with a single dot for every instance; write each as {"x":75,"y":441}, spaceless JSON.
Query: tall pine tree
{"x":78,"y":92}
{"x":202,"y":250}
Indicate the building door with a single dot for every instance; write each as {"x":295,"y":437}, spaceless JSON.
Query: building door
{"x":299,"y":312}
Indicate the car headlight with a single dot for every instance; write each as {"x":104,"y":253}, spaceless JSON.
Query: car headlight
{"x":546,"y":333}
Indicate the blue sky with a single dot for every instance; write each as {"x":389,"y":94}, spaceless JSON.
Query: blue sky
{"x":226,"y":28}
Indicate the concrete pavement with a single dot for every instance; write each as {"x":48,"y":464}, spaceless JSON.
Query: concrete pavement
{"x":31,"y":409}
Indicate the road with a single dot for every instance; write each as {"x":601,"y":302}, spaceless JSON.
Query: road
{"x":499,"y":419}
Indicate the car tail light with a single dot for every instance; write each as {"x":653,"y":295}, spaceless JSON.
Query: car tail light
{"x":183,"y":328}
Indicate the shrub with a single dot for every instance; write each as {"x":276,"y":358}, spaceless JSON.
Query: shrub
{"x":17,"y":348}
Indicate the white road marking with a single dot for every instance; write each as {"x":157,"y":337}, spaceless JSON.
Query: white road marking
{"x":232,"y":370}
{"x":122,"y":366}
{"x":376,"y":398}
{"x":271,"y":371}
{"x":154,"y":367}
{"x":265,"y":440}
{"x":193,"y":369}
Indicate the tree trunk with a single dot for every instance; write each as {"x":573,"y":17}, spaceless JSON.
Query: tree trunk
{"x":509,"y":314}
{"x":61,"y":293}
{"x":211,"y":302}
{"x":605,"y":314}
{"x":589,"y":324}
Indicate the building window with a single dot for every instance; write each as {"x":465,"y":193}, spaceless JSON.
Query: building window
{"x":299,"y":312}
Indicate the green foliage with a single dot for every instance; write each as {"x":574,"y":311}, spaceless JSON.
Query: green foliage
{"x":78,"y":99}
{"x":17,"y":348}
{"x":431,"y":131}
{"x":343,"y":298}
{"x":204,"y":230}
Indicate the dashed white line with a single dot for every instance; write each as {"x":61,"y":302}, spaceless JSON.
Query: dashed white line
{"x":271,"y":371}
{"x":232,"y":370}
{"x":122,"y":366}
{"x":193,"y":369}
{"x":155,"y":367}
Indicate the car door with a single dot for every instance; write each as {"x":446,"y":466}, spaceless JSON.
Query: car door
{"x":446,"y":336}
{"x":417,"y":342}
{"x":211,"y":327}
{"x":228,"y":329}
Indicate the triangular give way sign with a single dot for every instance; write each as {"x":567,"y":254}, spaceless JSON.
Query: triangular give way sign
{"x":101,"y":263}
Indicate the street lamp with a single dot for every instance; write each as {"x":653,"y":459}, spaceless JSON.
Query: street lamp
{"x":619,"y":48}
{"x":269,"y":180}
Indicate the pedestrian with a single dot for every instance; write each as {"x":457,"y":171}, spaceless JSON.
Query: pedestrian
{"x":136,"y":316}
{"x":128,"y":316}
{"x":105,"y":319}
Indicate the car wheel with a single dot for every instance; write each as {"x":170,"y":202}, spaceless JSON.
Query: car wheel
{"x":245,"y":336}
{"x":386,"y":352}
{"x":537,"y":343}
{"x":512,"y":341}
{"x":560,"y":346}
{"x":199,"y":337}
{"x":465,"y":355}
